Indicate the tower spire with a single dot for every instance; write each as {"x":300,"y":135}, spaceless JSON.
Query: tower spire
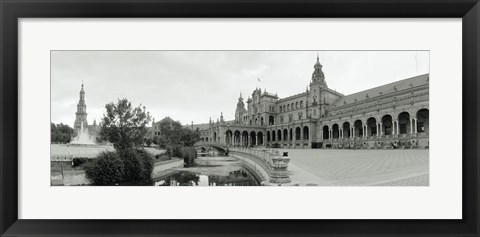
{"x":317,"y":75}
{"x":81,"y":114}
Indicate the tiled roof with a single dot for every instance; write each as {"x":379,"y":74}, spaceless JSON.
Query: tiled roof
{"x":383,"y":90}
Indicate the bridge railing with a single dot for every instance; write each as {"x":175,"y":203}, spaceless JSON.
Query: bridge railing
{"x":271,"y":160}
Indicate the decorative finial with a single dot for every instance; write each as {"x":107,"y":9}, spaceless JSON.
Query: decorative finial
{"x":318,"y":59}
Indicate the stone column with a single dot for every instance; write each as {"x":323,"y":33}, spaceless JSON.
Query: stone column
{"x":411,"y":126}
{"x":381,"y":128}
{"x":294,"y":137}
{"x":415,"y":125}
{"x":309,"y":137}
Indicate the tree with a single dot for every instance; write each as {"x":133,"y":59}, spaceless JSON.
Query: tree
{"x":172,"y":134}
{"x":123,"y":125}
{"x":60,"y":133}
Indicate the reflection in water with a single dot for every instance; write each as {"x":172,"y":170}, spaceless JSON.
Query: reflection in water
{"x":206,"y":171}
{"x":185,"y":178}
{"x":210,"y":171}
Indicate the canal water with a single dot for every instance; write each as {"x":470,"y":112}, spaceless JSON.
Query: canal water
{"x":210,"y":171}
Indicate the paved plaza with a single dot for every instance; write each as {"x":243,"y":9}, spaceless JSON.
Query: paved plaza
{"x":359,"y":167}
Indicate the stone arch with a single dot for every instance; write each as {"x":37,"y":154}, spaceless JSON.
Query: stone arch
{"x":214,"y":136}
{"x":297,"y":133}
{"x":268,"y":136}
{"x":325,"y":132}
{"x":346,"y":129}
{"x":387,"y":124}
{"x":423,"y":123}
{"x":236,"y":137}
{"x":279,"y":135}
{"x":244,"y":138}
{"x":260,"y":138}
{"x":285,"y":134}
{"x":291,"y":134}
{"x":253,"y":138}
{"x":371,"y":126}
{"x":358,"y":128}
{"x":306,"y":133}
{"x":273,"y":135}
{"x":335,"y":131}
{"x":404,"y":123}
{"x":229,"y":137}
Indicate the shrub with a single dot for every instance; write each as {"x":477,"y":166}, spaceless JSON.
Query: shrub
{"x":189,"y":154}
{"x":107,"y":169}
{"x":138,"y":164}
{"x":110,"y":168}
{"x":79,"y":161}
{"x":174,"y":151}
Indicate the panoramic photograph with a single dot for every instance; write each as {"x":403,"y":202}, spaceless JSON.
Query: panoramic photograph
{"x":239,"y":118}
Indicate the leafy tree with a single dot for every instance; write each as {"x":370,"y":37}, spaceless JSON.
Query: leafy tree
{"x":123,"y":125}
{"x":60,"y":133}
{"x":172,"y":134}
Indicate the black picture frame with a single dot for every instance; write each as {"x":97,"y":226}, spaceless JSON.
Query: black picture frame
{"x":11,"y":11}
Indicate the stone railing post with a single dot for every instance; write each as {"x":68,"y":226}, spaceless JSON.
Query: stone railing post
{"x":279,"y":174}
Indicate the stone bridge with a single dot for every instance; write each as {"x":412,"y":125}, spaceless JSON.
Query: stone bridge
{"x":204,"y":147}
{"x":267,"y":163}
{"x":272,"y":166}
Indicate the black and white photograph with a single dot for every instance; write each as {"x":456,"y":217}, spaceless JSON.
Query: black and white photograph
{"x":239,"y":118}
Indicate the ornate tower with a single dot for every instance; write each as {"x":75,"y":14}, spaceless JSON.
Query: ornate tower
{"x":316,"y":95}
{"x":81,"y":114}
{"x":317,"y":75}
{"x":240,"y":110}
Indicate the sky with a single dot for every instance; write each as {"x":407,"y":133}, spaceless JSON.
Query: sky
{"x":197,"y":85}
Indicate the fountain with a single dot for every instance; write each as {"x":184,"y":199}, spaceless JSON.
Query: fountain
{"x":82,"y":138}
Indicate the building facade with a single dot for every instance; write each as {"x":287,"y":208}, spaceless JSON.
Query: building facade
{"x":394,"y":115}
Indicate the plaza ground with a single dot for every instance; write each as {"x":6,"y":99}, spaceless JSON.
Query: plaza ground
{"x":403,"y":167}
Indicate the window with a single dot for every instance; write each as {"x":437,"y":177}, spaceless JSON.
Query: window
{"x":301,"y":104}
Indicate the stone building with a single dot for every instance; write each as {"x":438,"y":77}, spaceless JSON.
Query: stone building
{"x":389,"y":116}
